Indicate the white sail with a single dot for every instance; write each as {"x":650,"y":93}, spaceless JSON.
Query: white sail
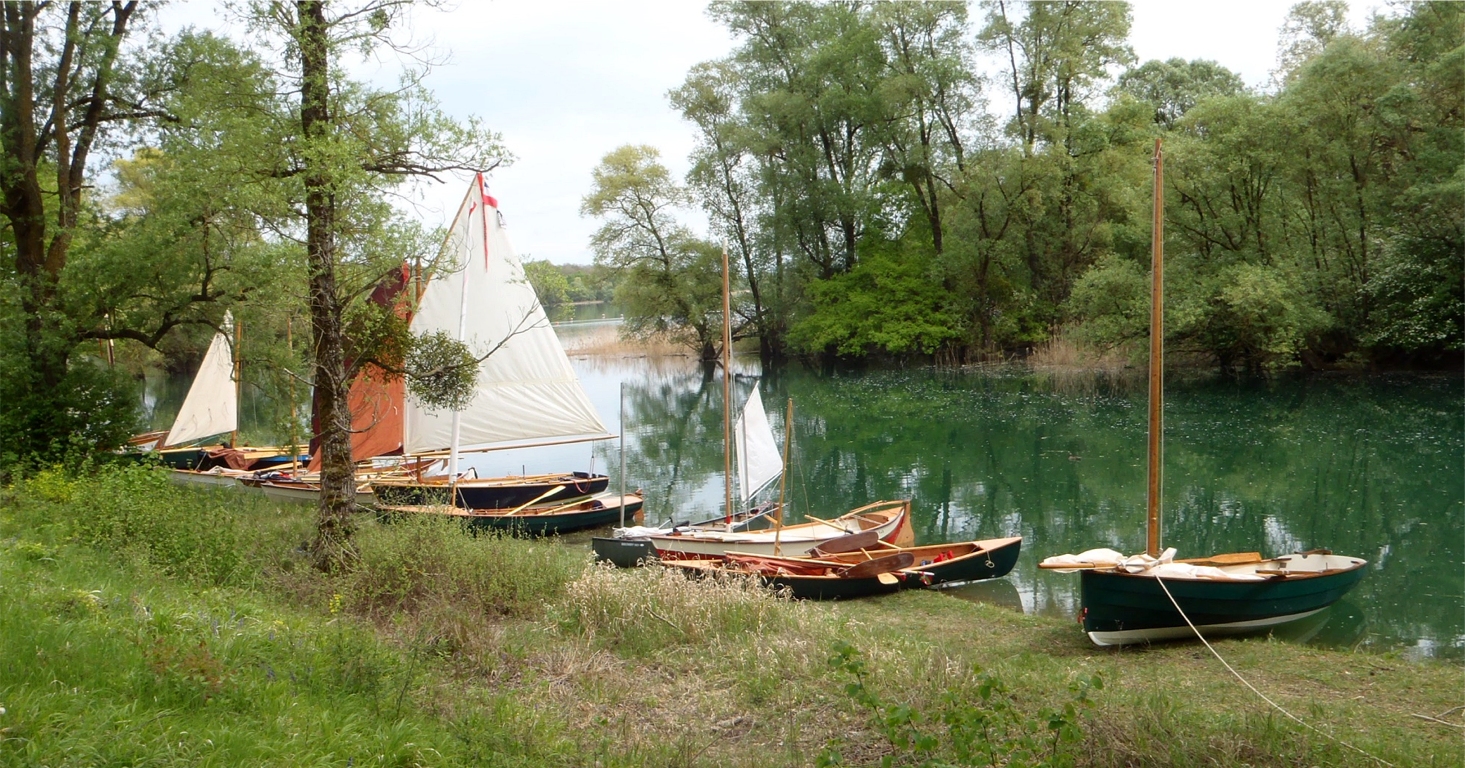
{"x":759,"y":462}
{"x":212,"y":404}
{"x":527,"y":390}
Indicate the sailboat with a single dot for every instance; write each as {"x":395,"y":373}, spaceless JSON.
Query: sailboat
{"x":1152,"y":596}
{"x":889,"y":520}
{"x":758,"y":463}
{"x":527,"y":394}
{"x":210,"y":409}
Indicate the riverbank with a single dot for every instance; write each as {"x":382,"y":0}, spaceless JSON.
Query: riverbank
{"x":147,"y":623}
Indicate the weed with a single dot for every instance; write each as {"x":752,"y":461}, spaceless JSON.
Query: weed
{"x":966,"y":730}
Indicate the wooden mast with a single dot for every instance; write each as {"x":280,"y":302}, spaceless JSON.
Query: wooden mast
{"x":726,"y":392}
{"x":622,"y":425}
{"x":238,"y":380}
{"x":294,"y":438}
{"x":1157,"y":352}
{"x":788,"y":434}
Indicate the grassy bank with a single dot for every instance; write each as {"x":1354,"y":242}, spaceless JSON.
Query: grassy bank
{"x":146,"y":624}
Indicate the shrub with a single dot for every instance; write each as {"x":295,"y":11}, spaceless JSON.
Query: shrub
{"x":424,"y":561}
{"x":133,"y":509}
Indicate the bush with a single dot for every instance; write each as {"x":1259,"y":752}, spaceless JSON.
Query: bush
{"x":134,"y":509}
{"x":420,"y":562}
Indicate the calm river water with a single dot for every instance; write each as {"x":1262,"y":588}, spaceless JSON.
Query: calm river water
{"x":1369,"y":466}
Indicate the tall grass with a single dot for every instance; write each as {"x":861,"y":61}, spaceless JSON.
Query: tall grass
{"x":643,"y":612}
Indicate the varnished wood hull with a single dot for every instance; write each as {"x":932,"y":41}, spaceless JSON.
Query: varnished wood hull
{"x":602,"y":509}
{"x":492,"y":493}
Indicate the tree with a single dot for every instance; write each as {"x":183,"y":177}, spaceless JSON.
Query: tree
{"x":75,"y":87}
{"x":353,"y":144}
{"x":669,"y":282}
{"x":550,"y":284}
{"x":1174,"y":86}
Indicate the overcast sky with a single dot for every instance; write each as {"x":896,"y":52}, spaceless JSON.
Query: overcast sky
{"x":566,"y":82}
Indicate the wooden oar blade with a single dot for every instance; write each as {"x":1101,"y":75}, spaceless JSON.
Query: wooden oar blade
{"x":854,"y":542}
{"x":879,"y":565}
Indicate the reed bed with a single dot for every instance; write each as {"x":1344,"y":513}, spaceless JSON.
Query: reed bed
{"x":609,"y":341}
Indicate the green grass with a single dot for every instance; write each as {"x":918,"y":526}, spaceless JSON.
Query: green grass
{"x":145,"y":624}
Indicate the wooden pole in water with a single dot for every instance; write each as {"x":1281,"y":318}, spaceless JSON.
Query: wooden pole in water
{"x":623,"y":454}
{"x":238,"y":380}
{"x":1157,"y":356}
{"x":788,"y":433}
{"x":726,"y":392}
{"x":294,"y":438}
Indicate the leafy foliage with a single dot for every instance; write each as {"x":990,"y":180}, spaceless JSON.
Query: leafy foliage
{"x":442,"y":372}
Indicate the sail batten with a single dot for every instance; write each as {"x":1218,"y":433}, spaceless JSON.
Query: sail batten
{"x":211,"y":406}
{"x":758,"y":458}
{"x":526,"y":387}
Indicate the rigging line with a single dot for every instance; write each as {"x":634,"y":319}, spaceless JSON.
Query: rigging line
{"x":1263,"y":696}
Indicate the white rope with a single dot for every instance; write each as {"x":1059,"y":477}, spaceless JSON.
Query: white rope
{"x":1263,"y":696}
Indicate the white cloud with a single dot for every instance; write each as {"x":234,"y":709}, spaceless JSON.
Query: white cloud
{"x":566,"y":82}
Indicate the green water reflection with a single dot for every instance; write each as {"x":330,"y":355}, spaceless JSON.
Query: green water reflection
{"x":1369,"y":466}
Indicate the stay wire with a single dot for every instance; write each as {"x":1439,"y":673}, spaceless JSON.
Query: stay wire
{"x":1263,"y":696}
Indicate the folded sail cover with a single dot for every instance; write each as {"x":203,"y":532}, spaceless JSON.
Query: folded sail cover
{"x":526,"y":389}
{"x":212,"y":404}
{"x":759,"y":462}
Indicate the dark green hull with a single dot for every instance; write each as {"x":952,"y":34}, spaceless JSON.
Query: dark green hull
{"x":833,"y":588}
{"x":990,"y":564}
{"x":545,"y":525}
{"x":1120,"y":607}
{"x":623,"y":553}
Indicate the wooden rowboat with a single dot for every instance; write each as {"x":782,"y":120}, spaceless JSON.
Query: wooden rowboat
{"x":889,"y":519}
{"x":1121,"y":608}
{"x":543,"y":520}
{"x":939,"y":565}
{"x":809,"y":579}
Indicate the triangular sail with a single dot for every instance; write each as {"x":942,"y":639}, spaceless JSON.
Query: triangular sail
{"x":758,"y":458}
{"x":212,"y":404}
{"x":526,"y":388}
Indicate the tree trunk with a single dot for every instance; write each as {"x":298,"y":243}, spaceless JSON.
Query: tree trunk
{"x":333,"y":548}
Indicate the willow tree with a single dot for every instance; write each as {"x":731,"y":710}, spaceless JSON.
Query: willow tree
{"x":79,"y":88}
{"x":351,"y":145}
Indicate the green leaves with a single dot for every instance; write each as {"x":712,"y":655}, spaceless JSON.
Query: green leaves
{"x":978,"y":727}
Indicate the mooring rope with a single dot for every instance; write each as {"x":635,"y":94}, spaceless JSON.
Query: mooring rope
{"x":1263,"y":696}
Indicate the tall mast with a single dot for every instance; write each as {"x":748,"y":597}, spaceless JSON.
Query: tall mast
{"x":238,"y":380}
{"x":726,"y":392}
{"x":1157,"y":353}
{"x":622,"y":425}
{"x":788,"y":436}
{"x":294,"y":439}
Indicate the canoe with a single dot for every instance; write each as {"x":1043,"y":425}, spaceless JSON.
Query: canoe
{"x":808,"y":580}
{"x":889,"y":519}
{"x":629,"y":551}
{"x":542,"y":520}
{"x":217,"y":477}
{"x":297,"y":492}
{"x":1120,"y":608}
{"x":491,"y":492}
{"x":938,"y":565}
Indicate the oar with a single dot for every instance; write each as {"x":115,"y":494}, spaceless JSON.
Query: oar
{"x":828,"y":523}
{"x":541,"y":497}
